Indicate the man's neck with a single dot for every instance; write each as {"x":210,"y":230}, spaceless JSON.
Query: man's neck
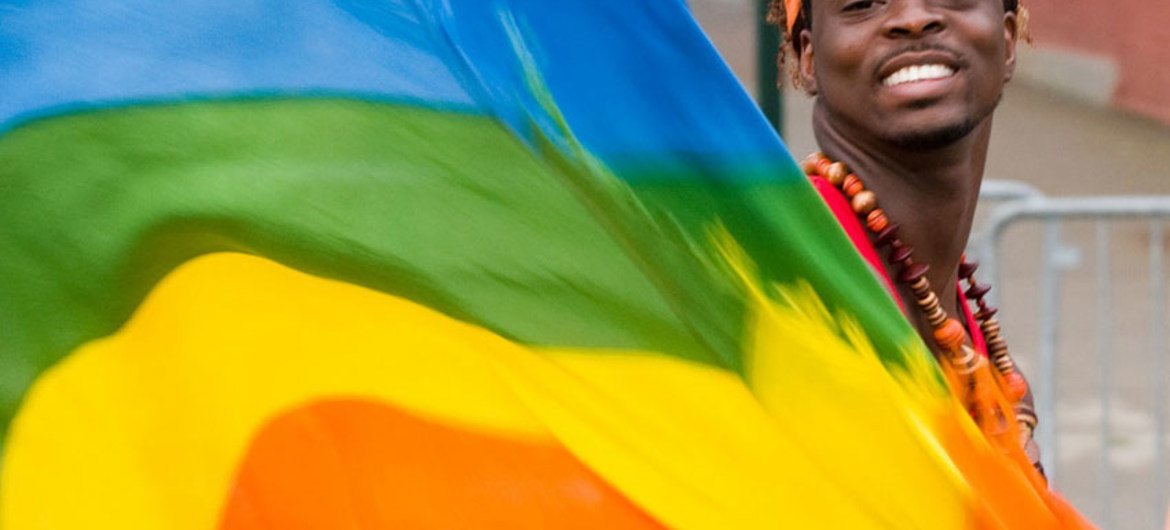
{"x":930,"y":194}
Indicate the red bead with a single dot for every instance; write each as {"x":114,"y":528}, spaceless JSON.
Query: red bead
{"x":951,"y":335}
{"x":911,"y":274}
{"x":978,"y":291}
{"x":968,"y":268}
{"x":986,"y":312}
{"x":901,"y":254}
{"x":888,"y":235}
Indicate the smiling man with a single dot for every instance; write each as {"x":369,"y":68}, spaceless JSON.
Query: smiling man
{"x":905,"y":93}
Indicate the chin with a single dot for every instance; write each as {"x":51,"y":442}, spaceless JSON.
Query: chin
{"x":929,"y":139}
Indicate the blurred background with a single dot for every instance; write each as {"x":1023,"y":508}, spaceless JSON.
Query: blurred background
{"x":1071,"y":232}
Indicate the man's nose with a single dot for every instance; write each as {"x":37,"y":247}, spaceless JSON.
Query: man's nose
{"x":913,"y":18}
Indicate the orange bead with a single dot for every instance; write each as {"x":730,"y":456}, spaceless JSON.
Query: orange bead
{"x":950,"y":335}
{"x":836,"y":173}
{"x":852,"y":186}
{"x":823,"y":166}
{"x":1015,"y":386}
{"x":877,"y":220}
{"x":864,"y":202}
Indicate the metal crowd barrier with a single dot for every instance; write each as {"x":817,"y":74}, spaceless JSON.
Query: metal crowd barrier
{"x":1014,"y":203}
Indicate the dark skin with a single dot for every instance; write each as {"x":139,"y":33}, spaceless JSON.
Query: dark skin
{"x":919,"y":144}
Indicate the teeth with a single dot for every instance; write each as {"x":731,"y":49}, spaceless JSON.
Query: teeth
{"x":923,"y":72}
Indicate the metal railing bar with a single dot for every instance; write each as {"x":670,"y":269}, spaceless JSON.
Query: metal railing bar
{"x":1158,"y":362}
{"x":1049,"y":316}
{"x":1104,"y":370}
{"x":1072,"y":207}
{"x":1032,"y":205}
{"x":1007,"y":190}
{"x":984,"y":247}
{"x":1021,"y":202}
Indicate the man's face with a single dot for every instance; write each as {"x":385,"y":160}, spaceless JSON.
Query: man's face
{"x":915,"y":73}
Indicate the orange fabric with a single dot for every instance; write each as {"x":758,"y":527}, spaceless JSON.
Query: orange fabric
{"x":359,"y":464}
{"x":791,"y":10}
{"x":1004,"y":483}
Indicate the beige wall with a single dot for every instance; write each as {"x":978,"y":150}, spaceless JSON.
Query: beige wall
{"x":1133,"y":34}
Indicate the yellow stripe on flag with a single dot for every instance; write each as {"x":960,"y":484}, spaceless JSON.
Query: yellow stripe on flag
{"x":146,"y":428}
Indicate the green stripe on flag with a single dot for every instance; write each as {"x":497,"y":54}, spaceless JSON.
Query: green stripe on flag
{"x":446,"y":208}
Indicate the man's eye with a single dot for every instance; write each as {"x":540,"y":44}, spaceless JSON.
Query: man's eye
{"x":859,"y":5}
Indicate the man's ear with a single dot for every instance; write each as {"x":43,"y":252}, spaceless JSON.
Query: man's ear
{"x":807,"y":70}
{"x":1011,"y":35}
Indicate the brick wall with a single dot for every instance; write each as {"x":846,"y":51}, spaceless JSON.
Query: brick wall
{"x":1133,"y":33}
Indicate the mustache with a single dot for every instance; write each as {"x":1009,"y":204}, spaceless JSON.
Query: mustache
{"x":958,"y":57}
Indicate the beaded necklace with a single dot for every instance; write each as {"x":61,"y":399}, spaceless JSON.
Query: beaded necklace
{"x":948,"y":332}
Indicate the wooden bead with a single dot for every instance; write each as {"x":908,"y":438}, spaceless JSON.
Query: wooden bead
{"x":1025,"y":415}
{"x":911,"y":274}
{"x":986,"y":313}
{"x":1014,"y":386}
{"x":951,"y":335}
{"x":836,"y":174}
{"x":978,"y":290}
{"x":928,"y":303}
{"x":901,"y":256}
{"x":990,"y":327}
{"x":811,"y":163}
{"x":888,"y":235}
{"x":967,"y":268}
{"x":937,"y":317}
{"x":823,"y":166}
{"x":864,"y":202}
{"x":877,"y":221}
{"x":920,"y":285}
{"x":852,"y":186}
{"x":967,"y":362}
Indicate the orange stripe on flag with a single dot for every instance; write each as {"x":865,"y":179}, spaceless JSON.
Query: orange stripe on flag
{"x":361,"y":464}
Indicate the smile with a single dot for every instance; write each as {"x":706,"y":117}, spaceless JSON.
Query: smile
{"x":916,"y":73}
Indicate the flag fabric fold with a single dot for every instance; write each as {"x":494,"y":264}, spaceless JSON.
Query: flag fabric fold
{"x":442,"y":263}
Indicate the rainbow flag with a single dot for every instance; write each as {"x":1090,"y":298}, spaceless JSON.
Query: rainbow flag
{"x":441,"y":264}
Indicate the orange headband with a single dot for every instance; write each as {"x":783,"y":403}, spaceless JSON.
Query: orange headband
{"x":791,"y":10}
